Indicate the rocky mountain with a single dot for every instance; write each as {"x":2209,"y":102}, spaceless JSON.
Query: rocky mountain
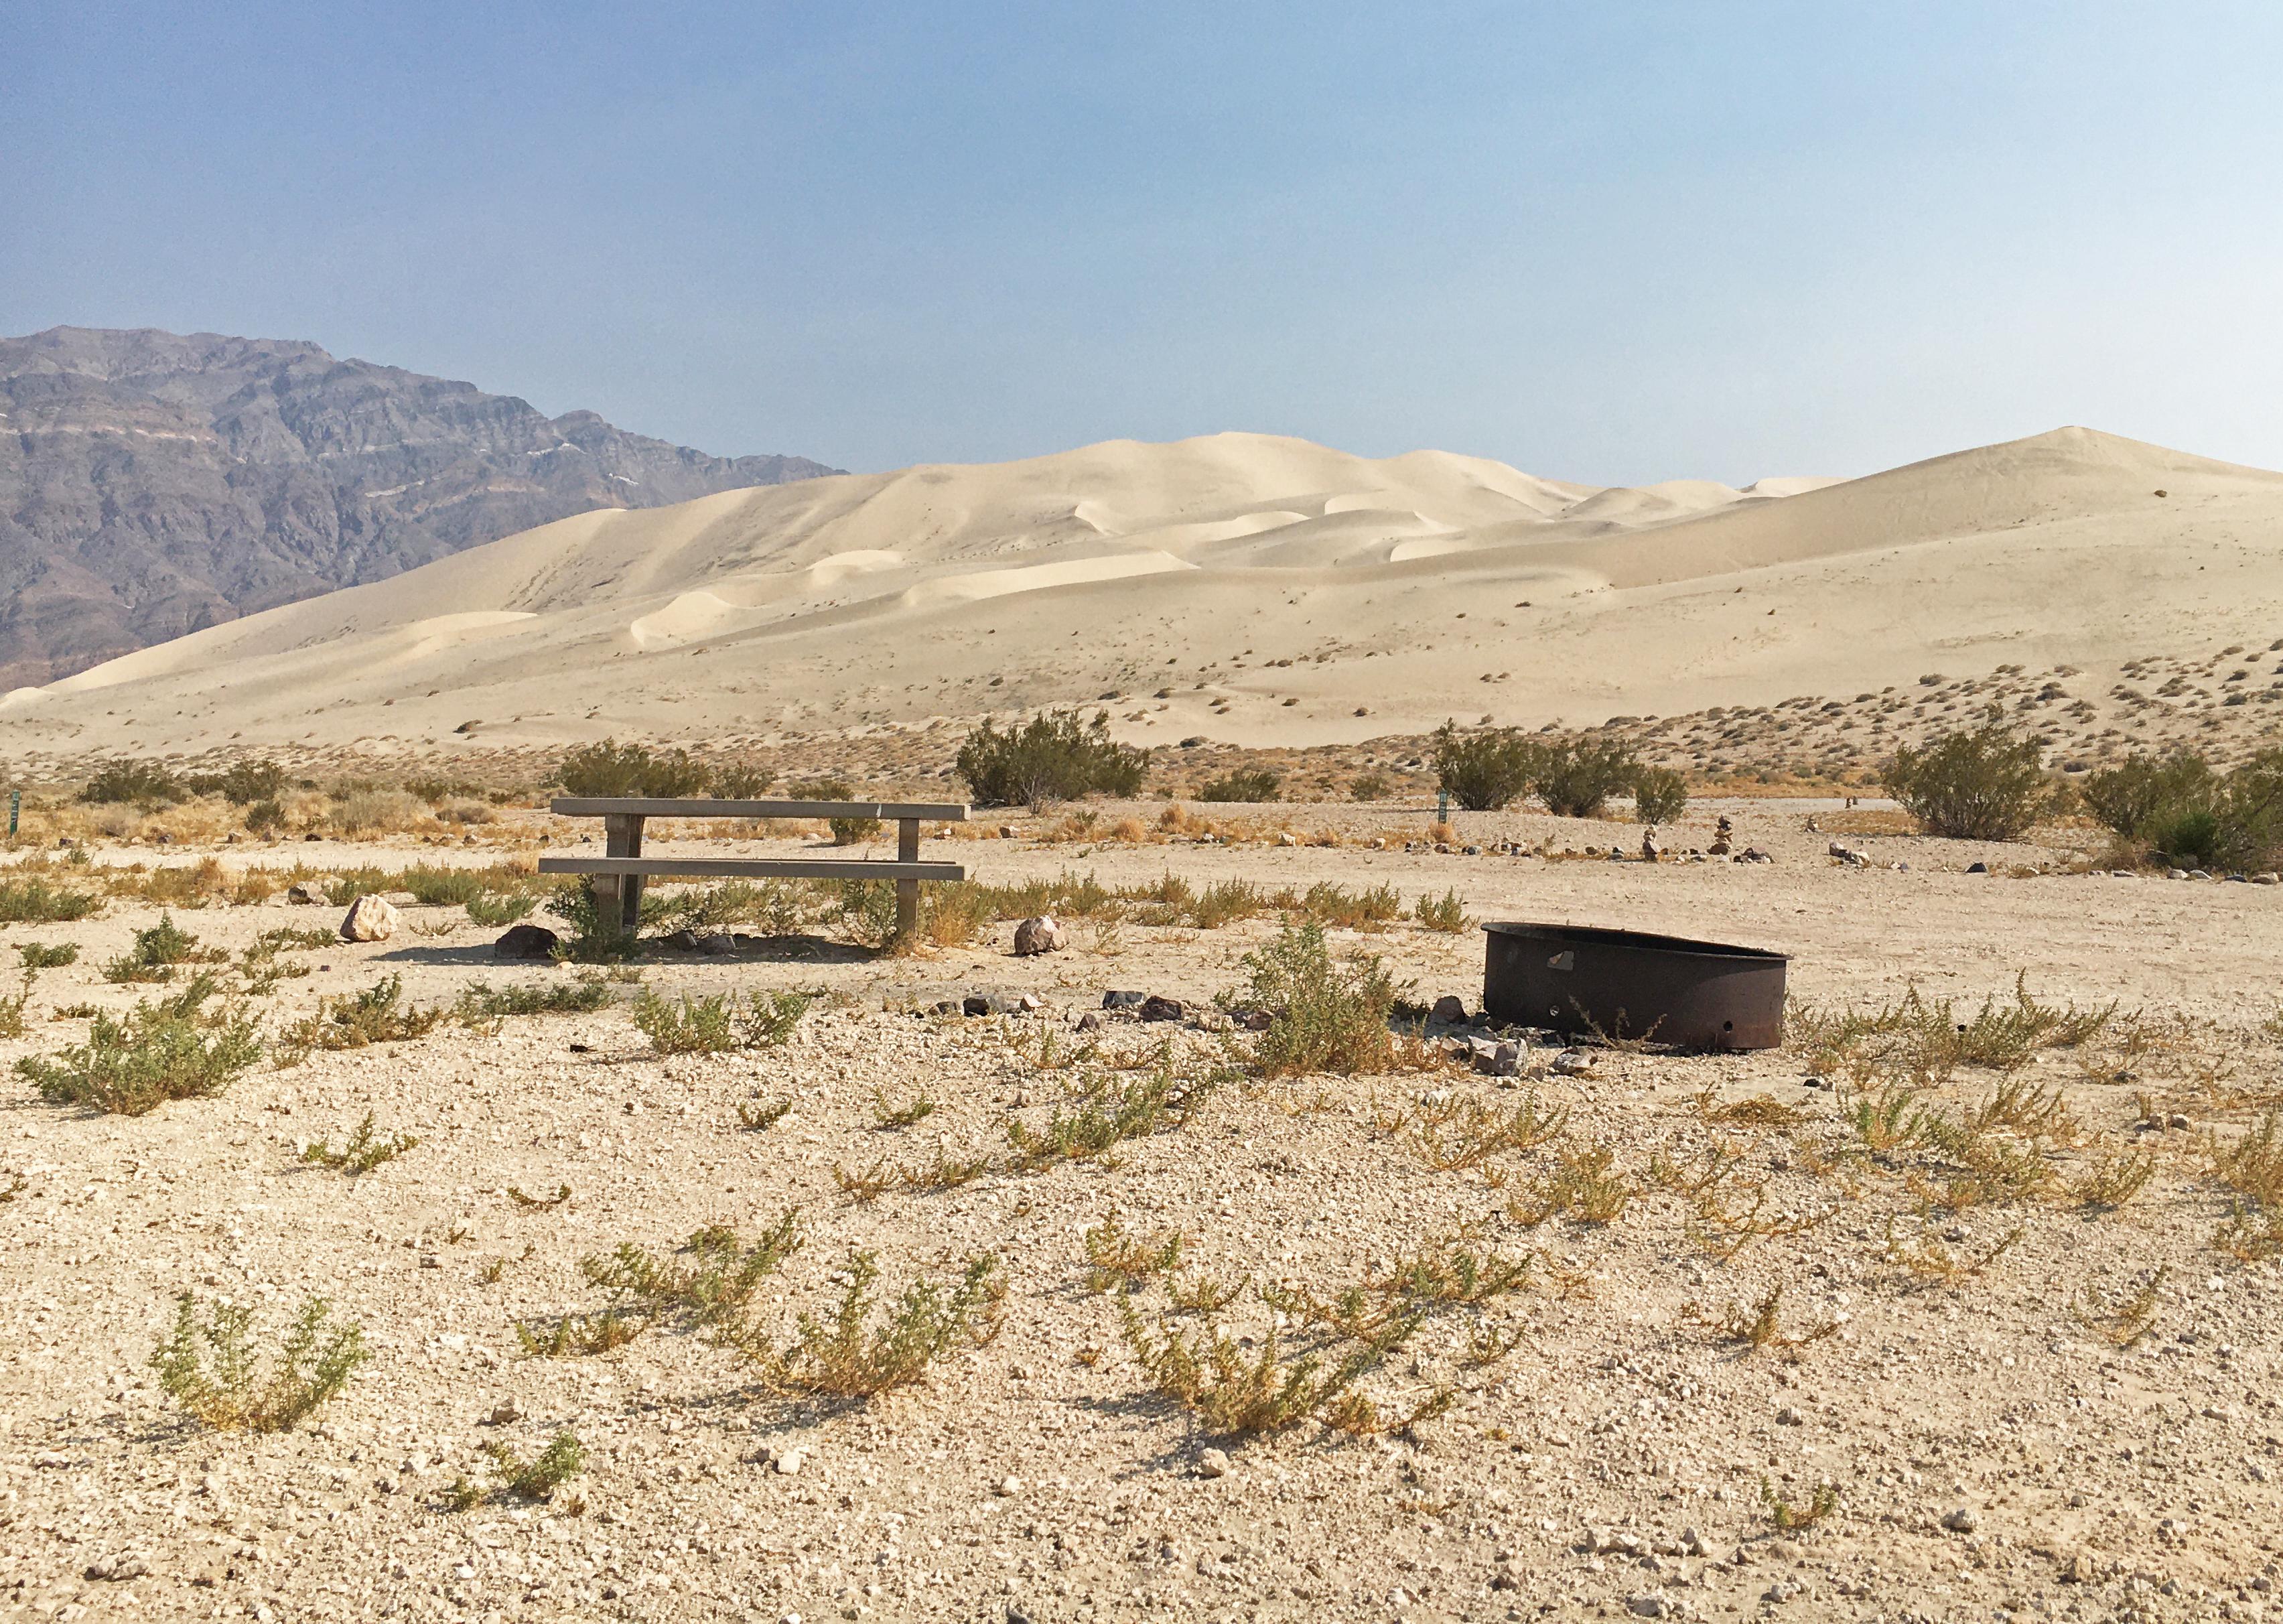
{"x":156,"y":483}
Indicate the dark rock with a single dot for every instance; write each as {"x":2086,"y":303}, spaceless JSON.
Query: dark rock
{"x":527,"y":941}
{"x":1124,"y":1001}
{"x":721,"y":944}
{"x":1450,"y":1010}
{"x":1977,"y":868}
{"x":683,"y":940}
{"x":1155,"y":1008}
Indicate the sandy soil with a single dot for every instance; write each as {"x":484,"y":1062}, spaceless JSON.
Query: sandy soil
{"x":1613,"y":1462}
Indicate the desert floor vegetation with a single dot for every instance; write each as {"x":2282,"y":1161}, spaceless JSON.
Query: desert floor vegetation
{"x":749,"y":1276}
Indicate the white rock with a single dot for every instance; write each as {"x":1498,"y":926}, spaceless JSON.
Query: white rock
{"x":789,"y":1462}
{"x":1212,"y":1463}
{"x":369,"y":918}
{"x":1010,"y":1486}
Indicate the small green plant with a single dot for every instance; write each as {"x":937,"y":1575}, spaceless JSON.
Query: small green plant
{"x":32,"y":899}
{"x":851,"y":1357}
{"x":1209,"y":1372}
{"x":358,"y":1020}
{"x":1324,"y":1016}
{"x":155,"y":1052}
{"x":1053,"y":757}
{"x":2123,"y":1323}
{"x":1761,"y":1326}
{"x":497,"y":909}
{"x":540,"y":1204}
{"x":364,"y":1151}
{"x":480,"y":1002}
{"x":1166,"y":1096}
{"x":1256,"y":784}
{"x":155,"y":954}
{"x":1584,"y":1183}
{"x":581,"y":1335}
{"x":2112,"y":1181}
{"x":766,"y":1114}
{"x":719,"y":1022}
{"x":597,"y":933}
{"x":909,"y":1114}
{"x":1470,"y":1133}
{"x":1788,"y":1518}
{"x":1445,"y":913}
{"x":1114,"y":1257}
{"x":48,"y":955}
{"x":708,"y":1285}
{"x":209,"y":1368}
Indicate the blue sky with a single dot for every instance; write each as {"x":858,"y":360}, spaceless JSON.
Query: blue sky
{"x":1612,"y":243}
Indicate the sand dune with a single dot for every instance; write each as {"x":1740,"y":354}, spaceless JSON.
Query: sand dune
{"x":1387,"y":595}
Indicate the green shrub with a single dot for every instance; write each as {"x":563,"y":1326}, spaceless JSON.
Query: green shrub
{"x":712,"y":1025}
{"x":846,"y":1357}
{"x":1445,"y":913}
{"x":499,"y":908}
{"x":593,"y":939}
{"x":743,"y":782}
{"x":242,"y":783}
{"x":376,"y":1015}
{"x":33,"y":900}
{"x":1053,"y":757}
{"x":1372,"y":786}
{"x":1483,"y":771}
{"x":1660,"y":794}
{"x":2190,"y":815}
{"x":156,"y":953}
{"x":1323,"y":1016}
{"x":265,"y":817}
{"x":143,"y":784}
{"x":158,"y":1052}
{"x":209,"y":1369}
{"x":1983,"y":784}
{"x":846,"y":831}
{"x":48,"y":955}
{"x":1254,"y":783}
{"x":480,"y":1002}
{"x":1576,"y":777}
{"x":2132,"y":799}
{"x":613,"y":768}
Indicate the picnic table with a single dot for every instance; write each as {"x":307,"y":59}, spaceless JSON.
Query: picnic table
{"x":619,"y":875}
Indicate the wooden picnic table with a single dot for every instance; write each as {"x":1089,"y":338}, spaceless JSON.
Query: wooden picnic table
{"x":618,"y":874}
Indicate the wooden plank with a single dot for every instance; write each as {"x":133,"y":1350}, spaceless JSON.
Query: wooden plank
{"x":753,"y":868}
{"x":619,"y":892}
{"x":605,"y":805}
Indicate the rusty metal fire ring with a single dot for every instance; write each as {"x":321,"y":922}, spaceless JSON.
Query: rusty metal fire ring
{"x":1585,"y":980}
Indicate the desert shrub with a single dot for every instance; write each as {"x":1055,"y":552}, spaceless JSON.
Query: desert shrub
{"x":1053,"y":757}
{"x":350,"y":884}
{"x":157,"y":1052}
{"x":155,"y":954}
{"x":1982,"y":784}
{"x":1245,"y":783}
{"x":48,"y":955}
{"x":1372,"y":786}
{"x":32,"y":899}
{"x":1340,"y":909}
{"x":499,"y":908}
{"x":1660,"y":794}
{"x":1444,"y":913}
{"x":849,"y":1357}
{"x":242,"y":783}
{"x":594,"y":939}
{"x":1324,"y":1016}
{"x":715,"y":1024}
{"x":740,"y":782}
{"x":142,"y":784}
{"x":867,"y":911}
{"x":613,"y":768}
{"x":480,"y":1002}
{"x":1576,"y":777}
{"x":846,"y":831}
{"x":2178,"y":807}
{"x":1483,"y":771}
{"x":376,"y":1015}
{"x":379,"y":811}
{"x":209,"y":1369}
{"x":955,"y":913}
{"x":266,"y":818}
{"x":779,"y":907}
{"x":2133,"y":798}
{"x":443,"y":888}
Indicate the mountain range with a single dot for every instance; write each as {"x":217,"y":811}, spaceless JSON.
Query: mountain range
{"x":153,"y":484}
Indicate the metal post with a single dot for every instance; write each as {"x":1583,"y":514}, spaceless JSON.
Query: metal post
{"x":15,"y":806}
{"x":908,"y":891}
{"x":1442,"y":805}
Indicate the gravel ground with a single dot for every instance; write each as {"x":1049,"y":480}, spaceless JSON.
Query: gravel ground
{"x":1994,"y":1450}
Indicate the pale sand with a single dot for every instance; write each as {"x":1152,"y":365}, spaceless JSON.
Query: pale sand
{"x":1395,"y":588}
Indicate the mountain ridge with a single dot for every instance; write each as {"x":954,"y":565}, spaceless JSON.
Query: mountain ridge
{"x":154,"y":483}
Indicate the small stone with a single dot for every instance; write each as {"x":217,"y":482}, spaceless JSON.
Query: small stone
{"x":788,"y":1463}
{"x":1040,"y":935}
{"x":1788,"y":1417}
{"x":1449,"y":1010}
{"x":1155,"y":1008}
{"x":1963,"y":1520}
{"x":1089,"y":1022}
{"x":534,"y":942}
{"x":2176,"y":1120}
{"x":308,"y":892}
{"x":1124,"y":1001}
{"x":1009,"y":1486}
{"x":369,"y":918}
{"x":1572,"y":1063}
{"x":506,"y":1413}
{"x":721,"y":944}
{"x":1212,"y":1463}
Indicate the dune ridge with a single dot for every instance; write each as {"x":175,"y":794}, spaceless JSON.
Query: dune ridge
{"x":1254,"y":587}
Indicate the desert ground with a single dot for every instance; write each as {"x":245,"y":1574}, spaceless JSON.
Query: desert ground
{"x":2058,"y":1398}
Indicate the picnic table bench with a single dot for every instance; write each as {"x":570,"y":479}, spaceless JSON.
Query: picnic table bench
{"x":619,"y":875}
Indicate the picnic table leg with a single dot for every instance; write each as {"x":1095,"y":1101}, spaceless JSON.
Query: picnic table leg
{"x":620,"y":895}
{"x":908,"y":891}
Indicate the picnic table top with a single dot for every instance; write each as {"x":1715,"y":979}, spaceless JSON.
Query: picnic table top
{"x":646,"y":805}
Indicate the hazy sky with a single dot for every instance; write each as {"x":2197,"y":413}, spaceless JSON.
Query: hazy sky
{"x":1605,"y":242}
